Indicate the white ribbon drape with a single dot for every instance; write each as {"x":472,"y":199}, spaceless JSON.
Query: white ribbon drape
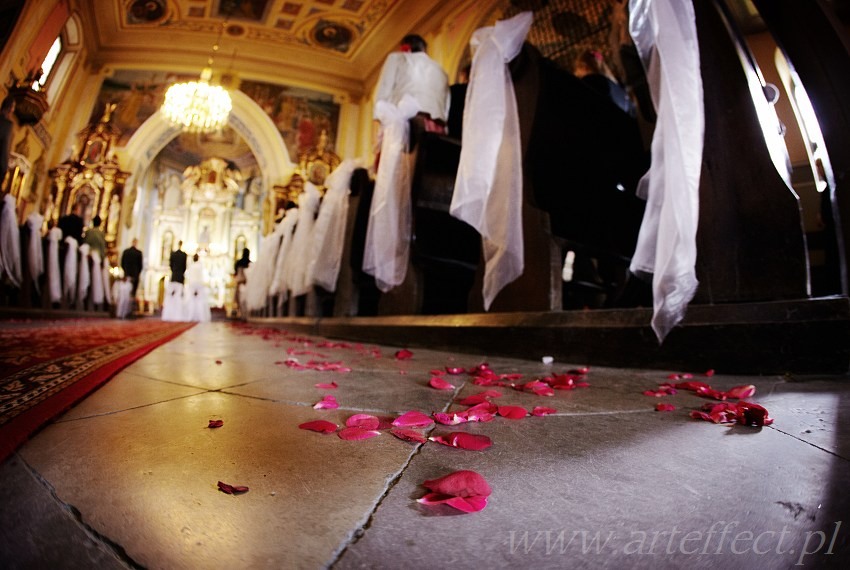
{"x":257,"y":288}
{"x":84,"y":279}
{"x":107,"y":278}
{"x":96,"y":278}
{"x":664,"y":32}
{"x":488,"y":187}
{"x":10,"y":243}
{"x":54,"y":273}
{"x":387,"y":248}
{"x":329,"y":233}
{"x":35,"y":253}
{"x":69,"y":278}
{"x":279,"y":285}
{"x":299,"y":256}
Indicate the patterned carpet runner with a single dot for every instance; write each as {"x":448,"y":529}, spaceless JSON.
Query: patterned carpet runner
{"x":46,"y":366}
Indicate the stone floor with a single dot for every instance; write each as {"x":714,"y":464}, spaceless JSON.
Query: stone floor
{"x":128,"y":478}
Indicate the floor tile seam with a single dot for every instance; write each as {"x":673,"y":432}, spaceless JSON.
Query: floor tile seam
{"x":361,"y":529}
{"x":308,"y":404}
{"x":75,"y":515}
{"x":139,"y":407}
{"x":816,"y":446}
{"x":366,"y":522}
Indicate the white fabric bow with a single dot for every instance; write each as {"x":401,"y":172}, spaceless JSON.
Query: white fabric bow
{"x":10,"y":243}
{"x":54,"y":274}
{"x":488,"y":188}
{"x":35,"y":254}
{"x":665,"y":35}
{"x":387,"y":248}
{"x":329,"y":233}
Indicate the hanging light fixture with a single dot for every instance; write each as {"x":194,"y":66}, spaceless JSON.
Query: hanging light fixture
{"x":197,"y":106}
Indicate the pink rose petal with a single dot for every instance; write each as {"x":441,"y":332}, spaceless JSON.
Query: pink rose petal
{"x":440,"y":384}
{"x":331,"y":386}
{"x":363,"y":421}
{"x":403,"y":354}
{"x":231,"y":489}
{"x":460,"y":484}
{"x":741,"y":392}
{"x":357,"y":434}
{"x":512,"y":412}
{"x":542,"y":411}
{"x":321,"y":426}
{"x":218,"y":361}
{"x":408,"y":435}
{"x":327,"y":403}
{"x":455,"y":370}
{"x":413,"y":418}
{"x":216,"y":423}
{"x":464,"y":504}
{"x":662,"y":407}
{"x":463,"y":440}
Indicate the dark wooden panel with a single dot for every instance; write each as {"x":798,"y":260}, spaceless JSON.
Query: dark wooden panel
{"x":750,"y":242}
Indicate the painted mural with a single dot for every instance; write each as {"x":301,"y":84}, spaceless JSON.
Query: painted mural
{"x":299,"y":114}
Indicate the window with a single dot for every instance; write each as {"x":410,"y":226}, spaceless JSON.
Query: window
{"x":47,"y":64}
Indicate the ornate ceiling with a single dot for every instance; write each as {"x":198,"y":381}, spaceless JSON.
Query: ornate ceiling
{"x":331,"y":44}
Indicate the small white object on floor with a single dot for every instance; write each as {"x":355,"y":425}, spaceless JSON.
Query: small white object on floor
{"x":548,"y":360}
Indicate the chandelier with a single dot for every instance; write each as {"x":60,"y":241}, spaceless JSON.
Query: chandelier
{"x":197,"y":106}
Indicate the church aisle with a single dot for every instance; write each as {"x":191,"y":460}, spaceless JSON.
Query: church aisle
{"x":129,"y":477}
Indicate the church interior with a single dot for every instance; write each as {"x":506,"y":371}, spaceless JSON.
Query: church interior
{"x":628,"y":340}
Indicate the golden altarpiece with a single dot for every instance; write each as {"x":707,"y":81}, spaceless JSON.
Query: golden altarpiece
{"x":214,"y":212}
{"x":92,"y":179}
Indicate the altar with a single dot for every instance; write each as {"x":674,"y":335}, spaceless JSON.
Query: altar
{"x":215,"y":213}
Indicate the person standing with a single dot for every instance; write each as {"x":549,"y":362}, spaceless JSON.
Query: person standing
{"x":177,"y":263}
{"x":72,"y":224}
{"x":95,"y":238}
{"x":131,"y":262}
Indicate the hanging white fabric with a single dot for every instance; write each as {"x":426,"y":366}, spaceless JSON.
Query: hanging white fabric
{"x":107,"y":278}
{"x":10,"y":243}
{"x":329,"y":233}
{"x":299,"y":257}
{"x":488,"y":187}
{"x":387,"y":248}
{"x":54,"y":273}
{"x":69,"y":278}
{"x":664,"y":32}
{"x":257,"y":289}
{"x":84,"y":277}
{"x":96,"y":278}
{"x":35,"y":253}
{"x":279,"y":285}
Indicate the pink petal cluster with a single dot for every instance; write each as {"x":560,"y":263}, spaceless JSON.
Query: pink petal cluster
{"x":665,"y":389}
{"x":744,"y":413}
{"x":663,"y":407}
{"x":466,"y":491}
{"x":703,"y":389}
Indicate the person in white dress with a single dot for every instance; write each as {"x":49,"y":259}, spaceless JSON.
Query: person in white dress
{"x":196,"y":304}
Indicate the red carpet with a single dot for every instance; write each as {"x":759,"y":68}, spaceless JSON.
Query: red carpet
{"x":48,"y":366}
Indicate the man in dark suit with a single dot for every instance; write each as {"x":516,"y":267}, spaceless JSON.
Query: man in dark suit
{"x":177,"y":263}
{"x":72,"y":224}
{"x":131,"y":263}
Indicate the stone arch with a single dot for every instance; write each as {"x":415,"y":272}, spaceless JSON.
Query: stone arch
{"x":246,"y":118}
